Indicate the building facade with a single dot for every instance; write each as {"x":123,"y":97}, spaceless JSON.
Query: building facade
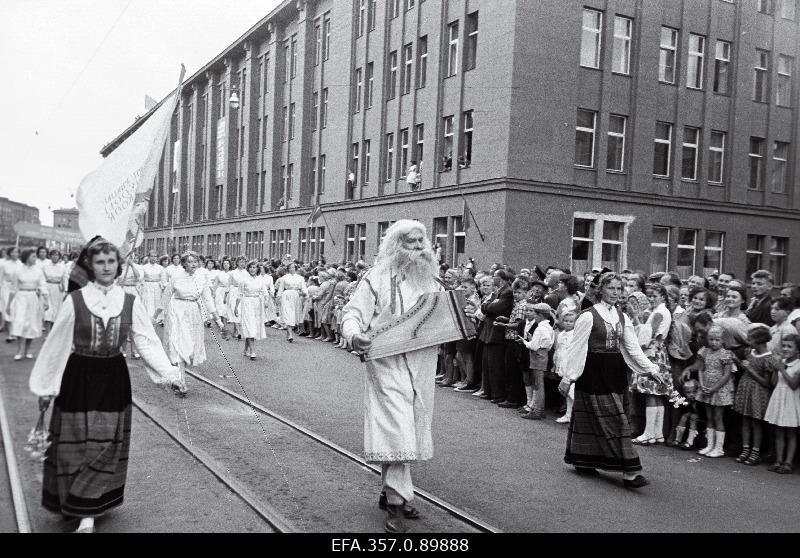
{"x":647,"y":134}
{"x":11,"y":213}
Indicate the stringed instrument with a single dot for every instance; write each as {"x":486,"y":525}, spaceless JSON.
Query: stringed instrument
{"x":436,"y":318}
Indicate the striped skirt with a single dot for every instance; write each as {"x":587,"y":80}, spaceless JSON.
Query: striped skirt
{"x":599,"y":433}
{"x":86,"y":465}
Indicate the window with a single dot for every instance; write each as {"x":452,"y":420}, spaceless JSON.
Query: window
{"x":355,"y":241}
{"x":322,"y":168}
{"x":780,"y":154}
{"x":440,"y":235}
{"x":315,"y":113}
{"x":756,"y":162}
{"x":694,"y":66}
{"x":662,"y":155}
{"x":326,"y":32}
{"x":285,"y":123}
{"x":291,"y":121}
{"x":419,"y":151}
{"x":590,"y":38}
{"x":370,"y":83}
{"x":287,"y":61}
{"x":273,"y":244}
{"x":289,"y":180}
{"x":691,"y":141}
{"x":615,"y":156}
{"x":716,"y":157}
{"x":722,"y":62}
{"x":778,"y":250}
{"x":361,"y":16}
{"x":313,"y":176}
{"x":373,"y":13}
{"x":359,"y":90}
{"x":403,"y":152}
{"x":394,"y":8}
{"x":365,"y":164}
{"x":266,"y":75}
{"x":361,"y":231}
{"x":783,"y":89}
{"x":352,"y":172}
{"x":452,"y":49}
{"x":623,"y":30}
{"x":659,"y":250}
{"x":459,"y":241}
{"x":447,"y":145}
{"x":687,"y":239}
{"x":317,"y":43}
{"x":766,"y":6}
{"x":301,"y":233}
{"x":422,"y":61}
{"x":584,"y":138}
{"x":409,"y":4}
{"x":324,"y":116}
{"x":471,"y":46}
{"x":222,"y":97}
{"x":761,"y":76}
{"x":788,"y":9}
{"x":599,"y":240}
{"x":755,"y":253}
{"x":294,"y":57}
{"x":466,"y":141}
{"x":392,"y":84}
{"x":389,"y":156}
{"x":712,"y":252}
{"x":408,"y":60}
{"x":383,"y":226}
{"x":668,"y":55}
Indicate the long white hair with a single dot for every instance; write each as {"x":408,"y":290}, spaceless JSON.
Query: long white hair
{"x":419,"y":267}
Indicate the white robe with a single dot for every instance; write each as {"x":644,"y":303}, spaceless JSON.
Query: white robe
{"x":48,"y":369}
{"x":183,"y":319}
{"x":53,"y":273}
{"x":398,"y":394}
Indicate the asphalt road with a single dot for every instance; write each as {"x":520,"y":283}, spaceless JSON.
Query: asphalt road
{"x":507,"y":471}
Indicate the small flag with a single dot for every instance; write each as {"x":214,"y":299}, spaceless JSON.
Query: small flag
{"x":465,"y":218}
{"x":314,"y":215}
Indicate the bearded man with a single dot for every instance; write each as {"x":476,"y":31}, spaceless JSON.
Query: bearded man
{"x":398,"y":395}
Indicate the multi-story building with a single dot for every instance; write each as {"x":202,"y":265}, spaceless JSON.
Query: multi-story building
{"x":66,"y":219}
{"x":647,"y":134}
{"x":11,"y":213}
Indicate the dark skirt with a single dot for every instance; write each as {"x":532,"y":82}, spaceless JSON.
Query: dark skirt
{"x":86,"y":465}
{"x":599,"y":433}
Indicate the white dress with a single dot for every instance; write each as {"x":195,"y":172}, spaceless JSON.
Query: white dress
{"x":26,"y":310}
{"x":270,"y":314}
{"x":784,"y":403}
{"x":54,"y":275}
{"x":220,"y":283}
{"x":290,"y":288}
{"x":8,"y":268}
{"x":183,"y":321}
{"x":236,"y":278}
{"x":251,"y":307}
{"x":154,"y":277}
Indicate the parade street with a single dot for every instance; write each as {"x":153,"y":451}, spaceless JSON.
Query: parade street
{"x":506,"y":472}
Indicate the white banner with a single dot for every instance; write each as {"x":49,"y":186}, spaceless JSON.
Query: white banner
{"x":113,"y":199}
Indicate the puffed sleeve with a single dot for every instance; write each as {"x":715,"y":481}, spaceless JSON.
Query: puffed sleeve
{"x":575,"y":353}
{"x":158,"y":367}
{"x":41,"y":285}
{"x":48,"y":369}
{"x":358,"y":313}
{"x":632,"y":351}
{"x":166,"y":295}
{"x":208,"y":299}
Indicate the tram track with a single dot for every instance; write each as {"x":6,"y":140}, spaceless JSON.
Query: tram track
{"x":452,"y":510}
{"x":15,"y":483}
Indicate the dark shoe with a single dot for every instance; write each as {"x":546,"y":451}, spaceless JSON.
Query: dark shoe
{"x":509,"y":405}
{"x":497,"y":400}
{"x":743,"y":456}
{"x":638,"y":482}
{"x":447,"y":384}
{"x":465,"y":388}
{"x":394,"y":520}
{"x":409,"y":511}
{"x":587,"y":471}
{"x":484,"y":396}
{"x":533,"y":416}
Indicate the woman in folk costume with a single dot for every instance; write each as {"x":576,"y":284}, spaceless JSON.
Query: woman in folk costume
{"x":398,"y":398}
{"x":604,"y":345}
{"x":291,"y":290}
{"x":183,"y":319}
{"x":54,"y":274}
{"x":27,"y":304}
{"x":250,"y":308}
{"x":270,"y":314}
{"x":9,"y":266}
{"x":154,"y":277}
{"x":81,"y":366}
{"x":236,"y":277}
{"x":131,"y":282}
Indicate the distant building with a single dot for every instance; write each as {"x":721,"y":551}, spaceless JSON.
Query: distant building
{"x":66,"y":219}
{"x":12,"y":212}
{"x":622,"y":133}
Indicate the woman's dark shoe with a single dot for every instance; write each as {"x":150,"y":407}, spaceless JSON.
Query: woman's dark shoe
{"x":394,"y":520}
{"x":637,"y":482}
{"x":409,"y":511}
{"x":587,"y":471}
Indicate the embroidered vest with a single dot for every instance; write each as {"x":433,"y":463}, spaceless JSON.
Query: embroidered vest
{"x":91,"y":337}
{"x":605,"y":337}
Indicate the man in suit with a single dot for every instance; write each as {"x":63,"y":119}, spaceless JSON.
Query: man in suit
{"x":761,"y":303}
{"x":499,"y":305}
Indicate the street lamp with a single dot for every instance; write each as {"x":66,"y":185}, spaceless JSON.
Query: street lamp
{"x":234,"y":99}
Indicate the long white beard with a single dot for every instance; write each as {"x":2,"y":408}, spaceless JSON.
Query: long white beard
{"x":418,"y":267}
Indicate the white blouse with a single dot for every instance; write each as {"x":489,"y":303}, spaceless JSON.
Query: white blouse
{"x":104,"y":303}
{"x":269,"y":284}
{"x":575,"y":354}
{"x":292,"y":281}
{"x":666,"y":321}
{"x":191,"y":288}
{"x":29,"y":278}
{"x":53,"y":272}
{"x":154,"y":272}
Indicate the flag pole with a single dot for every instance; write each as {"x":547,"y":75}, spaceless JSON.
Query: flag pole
{"x":469,"y":209}
{"x":333,"y":241}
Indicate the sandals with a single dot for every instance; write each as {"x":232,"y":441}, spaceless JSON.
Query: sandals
{"x":753,"y":459}
{"x":744,"y":456}
{"x":641,"y":441}
{"x":784,"y":469}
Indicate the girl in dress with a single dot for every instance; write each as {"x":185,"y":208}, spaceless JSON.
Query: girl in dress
{"x":131,"y":282}
{"x":236,"y":277}
{"x":8,"y":268}
{"x":655,"y":386}
{"x":27,"y":304}
{"x":221,"y":284}
{"x":714,"y":365}
{"x":291,"y":289}
{"x":563,"y":339}
{"x":54,"y":274}
{"x":153,"y":280}
{"x":183,"y":322}
{"x":41,"y":256}
{"x":784,"y":406}
{"x":753,"y":391}
{"x":270,"y":315}
{"x":308,"y":307}
{"x":250,"y":308}
{"x":81,"y":366}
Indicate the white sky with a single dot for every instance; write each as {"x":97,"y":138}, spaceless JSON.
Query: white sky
{"x":79,"y":86}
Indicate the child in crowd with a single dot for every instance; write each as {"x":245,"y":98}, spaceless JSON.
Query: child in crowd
{"x":563,"y":339}
{"x":779,"y":312}
{"x":538,"y":343}
{"x":465,"y":348}
{"x":690,"y":417}
{"x":714,"y":365}
{"x":753,"y":393}
{"x":308,"y":308}
{"x":784,"y":406}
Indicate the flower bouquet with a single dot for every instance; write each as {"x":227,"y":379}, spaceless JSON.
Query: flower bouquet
{"x":38,"y":439}
{"x":677,"y":399}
